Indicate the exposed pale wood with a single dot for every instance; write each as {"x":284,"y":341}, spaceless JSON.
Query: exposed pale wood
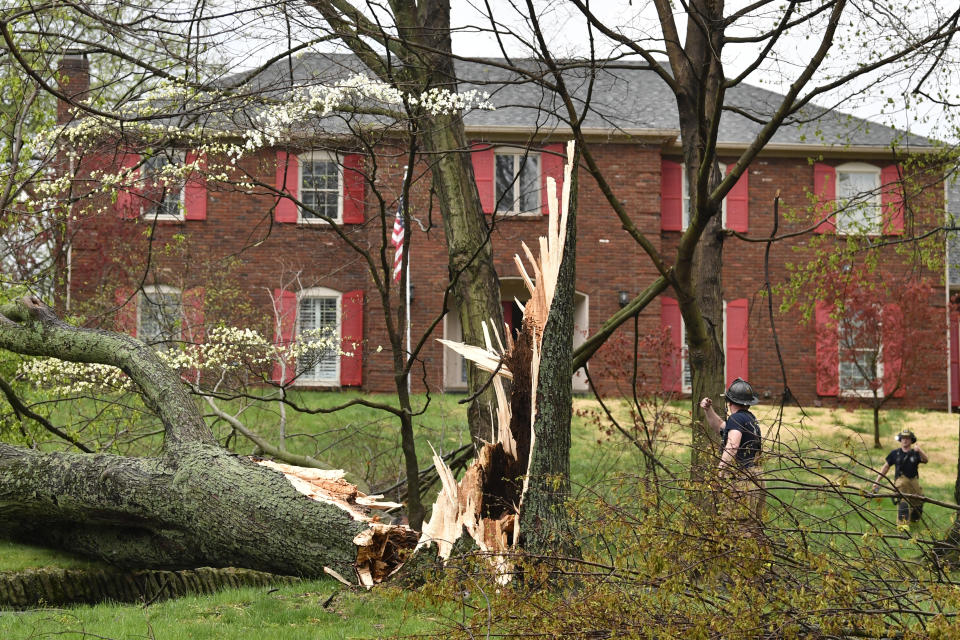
{"x":336,"y":576}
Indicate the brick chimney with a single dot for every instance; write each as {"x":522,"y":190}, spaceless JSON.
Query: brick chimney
{"x":73,"y":74}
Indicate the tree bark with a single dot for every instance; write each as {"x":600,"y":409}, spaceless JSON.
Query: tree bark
{"x":470,"y":256}
{"x":545,"y":525}
{"x":199,"y":505}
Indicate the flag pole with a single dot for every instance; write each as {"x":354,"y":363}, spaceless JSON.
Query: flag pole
{"x":406,"y":213}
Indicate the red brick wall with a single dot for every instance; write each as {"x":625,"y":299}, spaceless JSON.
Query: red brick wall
{"x":109,"y":252}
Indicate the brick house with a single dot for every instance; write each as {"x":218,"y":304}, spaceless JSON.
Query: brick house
{"x":299,"y":273}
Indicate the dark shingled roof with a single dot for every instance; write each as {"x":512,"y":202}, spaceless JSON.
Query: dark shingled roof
{"x":626,"y":98}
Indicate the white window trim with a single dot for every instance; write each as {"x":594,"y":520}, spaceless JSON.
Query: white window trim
{"x":151,"y":213}
{"x":519,"y":153}
{"x":685,"y":198}
{"x":152,"y":290}
{"x":320,"y":292}
{"x":860,"y":393}
{"x":862,"y":168}
{"x":319,"y":155}
{"x":685,"y":387}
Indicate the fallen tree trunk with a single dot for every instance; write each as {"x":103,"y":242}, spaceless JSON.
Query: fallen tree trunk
{"x":50,"y":587}
{"x":197,"y":506}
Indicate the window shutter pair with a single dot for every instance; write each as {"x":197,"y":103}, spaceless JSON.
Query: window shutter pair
{"x":288,"y":180}
{"x":131,"y":200}
{"x":737,"y":348}
{"x":828,"y":350}
{"x":552,"y":162}
{"x":671,"y":199}
{"x":891,"y":198}
{"x":191,"y":301}
{"x":351,"y":335}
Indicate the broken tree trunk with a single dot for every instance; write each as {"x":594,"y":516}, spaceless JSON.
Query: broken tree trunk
{"x":523,"y":477}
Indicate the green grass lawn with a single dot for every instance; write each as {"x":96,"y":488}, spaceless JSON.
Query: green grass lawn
{"x":311,"y":610}
{"x":366,"y":443}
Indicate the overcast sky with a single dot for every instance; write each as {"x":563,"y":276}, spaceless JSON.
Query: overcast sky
{"x":881,"y":100}
{"x":873,"y":98}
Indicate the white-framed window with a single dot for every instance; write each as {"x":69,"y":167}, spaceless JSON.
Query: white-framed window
{"x":517,"y":181}
{"x":318,"y":320}
{"x":860,"y":357}
{"x":685,"y":190}
{"x":163,"y":185}
{"x":686,"y":375}
{"x":320,"y":187}
{"x":159,"y":315}
{"x":858,"y":199}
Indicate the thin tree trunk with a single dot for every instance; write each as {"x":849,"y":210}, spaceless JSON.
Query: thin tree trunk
{"x":876,"y":422}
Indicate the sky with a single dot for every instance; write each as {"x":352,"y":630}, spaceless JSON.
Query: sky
{"x":873,"y":98}
{"x":861,"y":39}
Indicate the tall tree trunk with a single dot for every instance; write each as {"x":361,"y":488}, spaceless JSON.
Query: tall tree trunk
{"x":706,"y":349}
{"x":470,"y":256}
{"x":422,"y":44}
{"x":544,"y":520}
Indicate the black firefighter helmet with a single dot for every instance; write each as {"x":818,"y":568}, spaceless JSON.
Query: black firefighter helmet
{"x":906,"y":433}
{"x":740,"y":392}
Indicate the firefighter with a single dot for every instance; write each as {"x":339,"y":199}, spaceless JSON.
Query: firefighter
{"x":740,"y":445}
{"x":906,"y":461}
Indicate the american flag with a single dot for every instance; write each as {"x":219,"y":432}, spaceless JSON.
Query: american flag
{"x":397,"y":238}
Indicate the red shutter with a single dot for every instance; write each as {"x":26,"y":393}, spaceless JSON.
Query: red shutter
{"x":670,"y":366}
{"x":126,"y":301}
{"x":551,"y":166}
{"x":285,"y":322}
{"x":738,"y":205}
{"x":825,"y":188}
{"x":892,"y":340}
{"x":671,"y":195}
{"x":482,"y":157}
{"x":737,"y":340}
{"x":288,"y":181}
{"x":195,"y":189}
{"x":353,"y":189}
{"x":193,"y":329}
{"x":891,"y":200}
{"x":129,"y":197}
{"x":507,"y":306}
{"x":828,"y":352}
{"x":351,"y":339}
{"x":954,"y":360}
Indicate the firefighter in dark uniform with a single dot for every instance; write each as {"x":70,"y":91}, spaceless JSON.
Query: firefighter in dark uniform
{"x":740,"y":443}
{"x":906,"y":478}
